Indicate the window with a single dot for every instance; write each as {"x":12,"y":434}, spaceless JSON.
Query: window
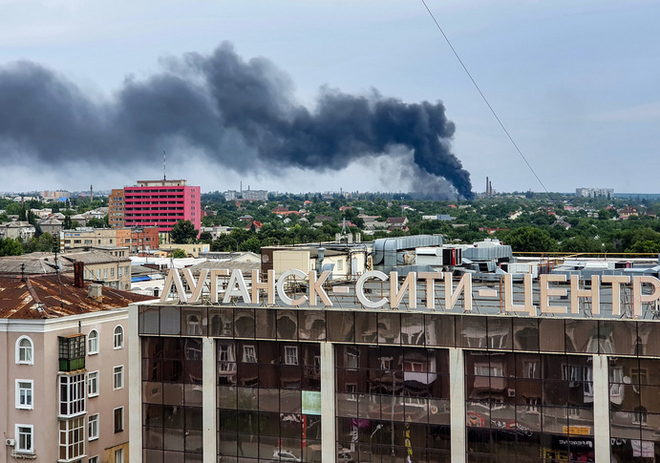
{"x":93,"y":342}
{"x":119,"y":337}
{"x":93,"y":383}
{"x":72,"y":439}
{"x":112,"y":273}
{"x":119,"y":456}
{"x":118,"y":419}
{"x":638,"y":376}
{"x":572,"y":374}
{"x":72,"y":395}
{"x":249,"y":354}
{"x":351,"y":391}
{"x":529,"y":369}
{"x":640,"y":415}
{"x":24,"y":394}
{"x":93,"y":427}
{"x":118,"y":377}
{"x":532,"y":404}
{"x":291,"y":355}
{"x":94,"y":459}
{"x":24,"y":438}
{"x":24,"y":351}
{"x":352,"y":357}
{"x":386,"y":363}
{"x":484,"y":369}
{"x":616,"y":380}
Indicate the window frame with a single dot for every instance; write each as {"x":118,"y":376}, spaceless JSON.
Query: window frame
{"x":118,"y":337}
{"x":94,"y":373}
{"x":17,"y":433}
{"x":19,"y":349}
{"x":118,"y":413}
{"x":96,"y":424}
{"x":291,"y":355}
{"x":117,"y":372}
{"x":18,"y":395}
{"x":95,"y":340}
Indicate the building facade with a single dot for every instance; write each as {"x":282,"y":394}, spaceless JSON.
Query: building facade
{"x":162,"y":203}
{"x":296,"y":382}
{"x":116,"y":208}
{"x":65,"y":365}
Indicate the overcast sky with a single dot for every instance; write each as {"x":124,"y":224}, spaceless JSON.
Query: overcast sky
{"x":575,"y":83}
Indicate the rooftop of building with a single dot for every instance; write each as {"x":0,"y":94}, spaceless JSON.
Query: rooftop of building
{"x":53,"y":296}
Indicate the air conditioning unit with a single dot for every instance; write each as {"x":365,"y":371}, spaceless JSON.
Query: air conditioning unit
{"x":10,"y":442}
{"x":511,"y":392}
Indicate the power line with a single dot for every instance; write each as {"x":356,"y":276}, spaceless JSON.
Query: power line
{"x":497,"y":118}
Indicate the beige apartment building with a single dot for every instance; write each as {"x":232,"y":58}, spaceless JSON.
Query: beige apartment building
{"x":65,"y":365}
{"x":103,"y":267}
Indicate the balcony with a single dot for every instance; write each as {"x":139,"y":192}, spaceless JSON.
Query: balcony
{"x":71,"y":352}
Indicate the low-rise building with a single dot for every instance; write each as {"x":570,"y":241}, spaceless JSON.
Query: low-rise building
{"x":65,"y":365}
{"x":17,"y":229}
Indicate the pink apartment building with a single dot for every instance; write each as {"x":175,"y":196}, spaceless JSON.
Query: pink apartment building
{"x":64,"y":395}
{"x":162,"y":203}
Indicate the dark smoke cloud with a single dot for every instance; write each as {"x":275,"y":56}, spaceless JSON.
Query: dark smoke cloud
{"x":210,"y":102}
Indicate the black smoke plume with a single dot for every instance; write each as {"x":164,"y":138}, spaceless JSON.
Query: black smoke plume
{"x":240,"y":114}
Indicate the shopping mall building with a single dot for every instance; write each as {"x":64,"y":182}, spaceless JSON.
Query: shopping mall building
{"x":405,"y":370}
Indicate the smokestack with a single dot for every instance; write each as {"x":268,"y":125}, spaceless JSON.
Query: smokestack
{"x":91,"y":194}
{"x":487,"y":183}
{"x":490,"y":188}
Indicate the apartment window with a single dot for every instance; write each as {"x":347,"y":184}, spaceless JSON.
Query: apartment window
{"x":118,"y":377}
{"x":119,"y":456}
{"x":119,"y":337}
{"x":24,"y":351}
{"x":93,"y":383}
{"x":24,"y":438}
{"x":118,"y":419}
{"x":94,"y":459}
{"x":72,"y":439}
{"x":640,"y":415}
{"x":112,"y":273}
{"x":105,"y":273}
{"x":93,"y":427}
{"x":351,"y":358}
{"x":529,"y":369}
{"x":93,"y":342}
{"x":72,"y":395}
{"x":24,"y":394}
{"x":351,"y":391}
{"x":291,"y":355}
{"x":249,"y":354}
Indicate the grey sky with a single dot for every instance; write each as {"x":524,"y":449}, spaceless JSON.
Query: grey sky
{"x":574,"y":82}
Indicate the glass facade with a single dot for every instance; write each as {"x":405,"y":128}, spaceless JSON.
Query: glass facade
{"x":392,"y":401}
{"x":171,"y":400}
{"x":528,"y":392}
{"x":268,"y":397}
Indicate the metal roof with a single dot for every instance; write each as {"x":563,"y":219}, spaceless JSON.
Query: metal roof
{"x":53,"y":296}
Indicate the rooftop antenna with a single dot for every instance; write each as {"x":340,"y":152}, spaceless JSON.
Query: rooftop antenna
{"x":164,"y":171}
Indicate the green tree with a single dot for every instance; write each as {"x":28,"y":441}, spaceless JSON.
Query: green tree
{"x":10,"y":247}
{"x":183,"y":232}
{"x":530,"y":239}
{"x":178,"y":253}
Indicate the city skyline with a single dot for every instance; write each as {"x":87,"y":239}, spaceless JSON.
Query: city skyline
{"x":573,"y":84}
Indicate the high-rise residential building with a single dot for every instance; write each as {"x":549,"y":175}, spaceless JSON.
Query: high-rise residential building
{"x":162,"y":203}
{"x":116,"y":208}
{"x":65,"y":364}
